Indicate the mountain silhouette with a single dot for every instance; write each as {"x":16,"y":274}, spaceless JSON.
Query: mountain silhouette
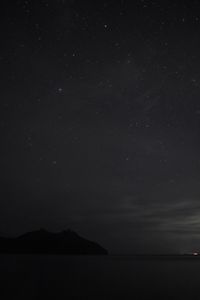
{"x":43,"y":241}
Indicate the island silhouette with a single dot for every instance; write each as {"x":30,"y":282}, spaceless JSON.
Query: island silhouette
{"x":45,"y":242}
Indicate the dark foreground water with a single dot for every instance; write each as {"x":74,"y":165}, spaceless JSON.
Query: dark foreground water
{"x":97,"y":277}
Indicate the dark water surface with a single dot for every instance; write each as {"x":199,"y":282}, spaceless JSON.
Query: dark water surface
{"x":97,"y":277}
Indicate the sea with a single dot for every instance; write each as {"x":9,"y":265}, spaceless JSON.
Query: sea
{"x":97,"y":277}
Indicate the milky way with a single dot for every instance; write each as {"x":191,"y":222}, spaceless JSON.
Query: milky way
{"x":100,"y":120}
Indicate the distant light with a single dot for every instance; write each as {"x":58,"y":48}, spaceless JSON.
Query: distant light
{"x":195,"y":253}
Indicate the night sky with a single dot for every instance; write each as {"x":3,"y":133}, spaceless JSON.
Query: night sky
{"x":100,"y":121}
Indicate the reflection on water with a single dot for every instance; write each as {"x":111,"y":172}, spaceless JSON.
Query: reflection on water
{"x":97,"y":277}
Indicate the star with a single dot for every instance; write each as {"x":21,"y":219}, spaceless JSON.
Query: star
{"x":60,"y":90}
